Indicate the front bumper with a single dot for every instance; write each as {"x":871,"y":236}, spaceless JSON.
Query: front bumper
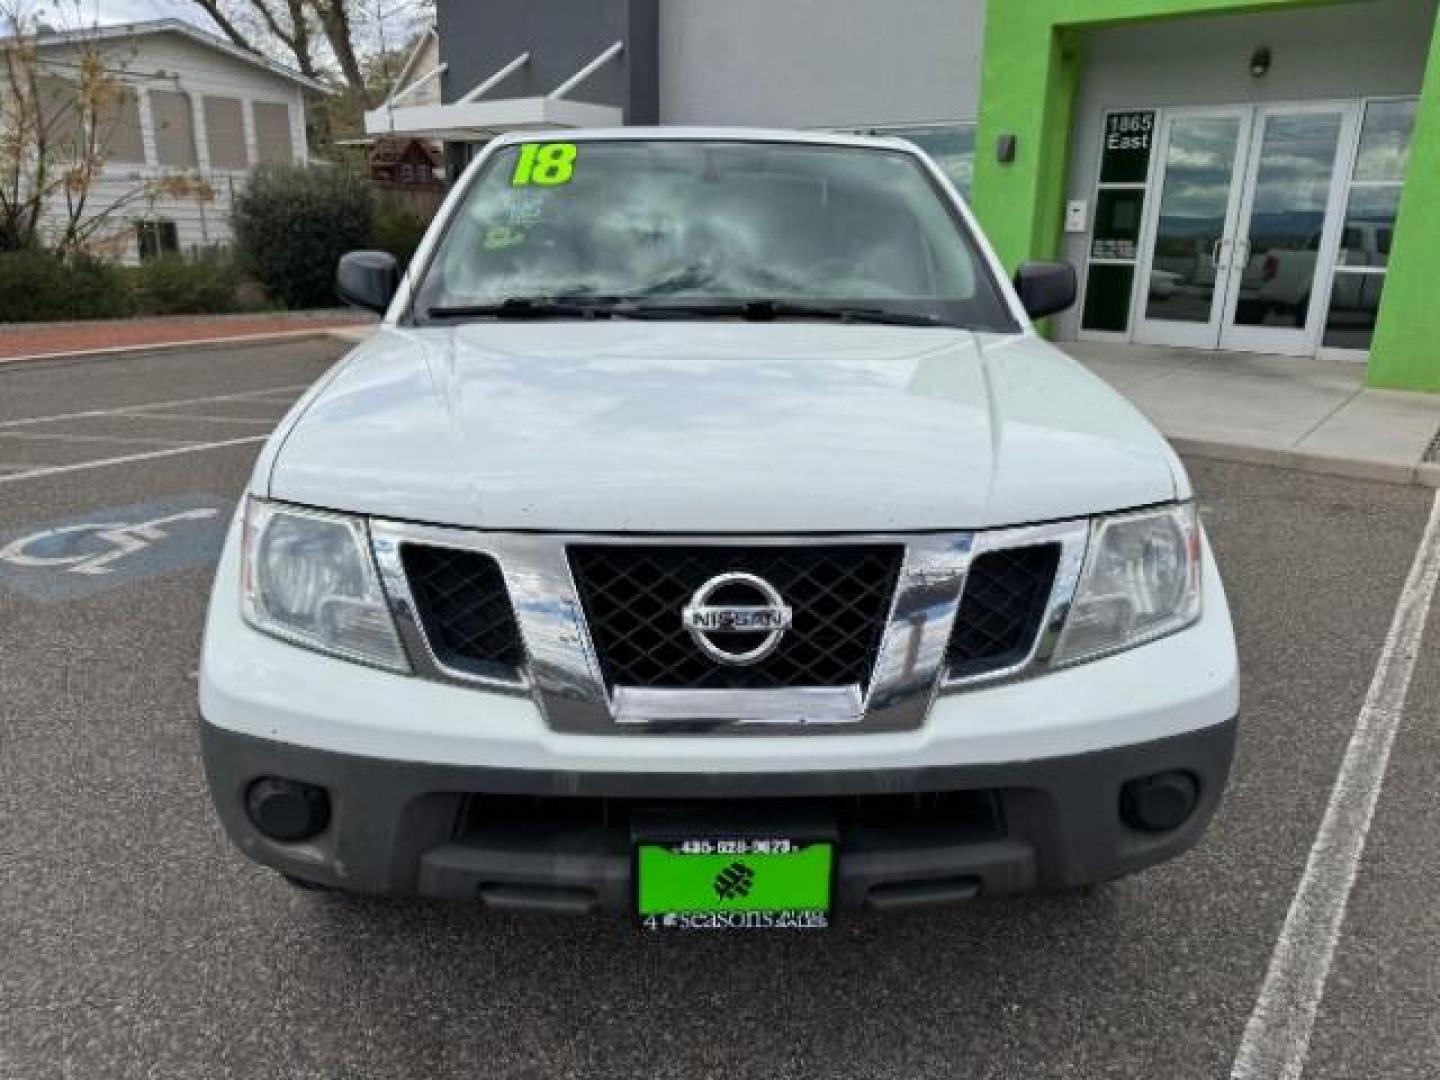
{"x":561,"y":840}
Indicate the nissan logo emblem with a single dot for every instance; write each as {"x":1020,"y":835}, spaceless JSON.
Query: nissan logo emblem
{"x":707,"y":622}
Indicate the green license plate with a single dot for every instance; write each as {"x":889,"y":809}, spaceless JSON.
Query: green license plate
{"x":755,"y":883}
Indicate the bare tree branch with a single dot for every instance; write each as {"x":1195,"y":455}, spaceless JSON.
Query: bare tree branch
{"x":334,"y":18}
{"x":293,"y":33}
{"x":227,"y":25}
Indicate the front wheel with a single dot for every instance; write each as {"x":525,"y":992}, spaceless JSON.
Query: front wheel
{"x":304,"y":885}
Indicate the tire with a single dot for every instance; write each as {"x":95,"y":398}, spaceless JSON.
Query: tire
{"x":305,"y":886}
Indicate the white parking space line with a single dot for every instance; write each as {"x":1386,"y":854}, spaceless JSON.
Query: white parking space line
{"x":143,"y":407}
{"x":251,"y":420}
{"x":80,"y":466}
{"x":52,"y":436}
{"x":1276,"y":1042}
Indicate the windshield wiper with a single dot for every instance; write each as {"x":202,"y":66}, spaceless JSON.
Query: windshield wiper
{"x":527,"y":307}
{"x":770,"y":310}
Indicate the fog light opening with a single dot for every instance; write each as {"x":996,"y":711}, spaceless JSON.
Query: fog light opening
{"x":287,"y":810}
{"x":1159,"y":803}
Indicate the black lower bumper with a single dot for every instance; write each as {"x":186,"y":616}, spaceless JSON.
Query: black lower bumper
{"x":561,"y":841}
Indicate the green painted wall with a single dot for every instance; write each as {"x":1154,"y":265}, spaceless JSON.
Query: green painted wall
{"x":1028,"y":81}
{"x":1406,"y":351}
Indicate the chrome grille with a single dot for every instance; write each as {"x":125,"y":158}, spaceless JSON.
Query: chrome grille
{"x":1001,"y":609}
{"x":463,"y":604}
{"x":633,"y":597}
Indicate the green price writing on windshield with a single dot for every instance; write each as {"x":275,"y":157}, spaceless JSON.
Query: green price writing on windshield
{"x":546,"y":164}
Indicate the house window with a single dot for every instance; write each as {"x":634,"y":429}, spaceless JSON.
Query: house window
{"x":118,"y":129}
{"x":59,"y":116}
{"x":272,"y":132}
{"x":1369,"y":223}
{"x":225,"y":133}
{"x":174,"y":128}
{"x":116,"y":121}
{"x":156,"y":238}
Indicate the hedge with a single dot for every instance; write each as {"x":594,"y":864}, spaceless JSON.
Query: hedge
{"x":36,"y":286}
{"x":293,"y":222}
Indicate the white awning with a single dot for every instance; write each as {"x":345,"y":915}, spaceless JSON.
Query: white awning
{"x":474,"y":120}
{"x":469,"y":119}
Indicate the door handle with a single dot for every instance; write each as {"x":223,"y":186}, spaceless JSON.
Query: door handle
{"x":1242,"y":260}
{"x":1215,"y":250}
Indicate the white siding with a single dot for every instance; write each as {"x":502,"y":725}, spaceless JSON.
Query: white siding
{"x":170,"y":61}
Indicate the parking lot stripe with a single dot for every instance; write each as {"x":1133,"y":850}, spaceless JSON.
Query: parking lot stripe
{"x":1276,"y":1041}
{"x":141,"y":408}
{"x":251,"y":420}
{"x":55,"y":436}
{"x":81,"y":466}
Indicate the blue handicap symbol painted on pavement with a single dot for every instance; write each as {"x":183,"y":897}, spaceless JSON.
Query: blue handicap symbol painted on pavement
{"x":108,"y":548}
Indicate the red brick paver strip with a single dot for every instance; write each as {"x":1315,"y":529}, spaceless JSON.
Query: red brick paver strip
{"x":44,"y":340}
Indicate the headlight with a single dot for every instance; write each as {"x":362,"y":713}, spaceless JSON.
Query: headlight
{"x":308,"y":577}
{"x":1141,"y":581}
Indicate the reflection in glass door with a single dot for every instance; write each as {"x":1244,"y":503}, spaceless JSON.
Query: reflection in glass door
{"x":1245,"y":233}
{"x":1183,"y":282}
{"x":1286,"y":245}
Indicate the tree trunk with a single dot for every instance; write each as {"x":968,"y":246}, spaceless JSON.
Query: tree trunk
{"x":335,"y":21}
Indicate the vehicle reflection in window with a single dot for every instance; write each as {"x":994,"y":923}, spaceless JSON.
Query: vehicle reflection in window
{"x":1354,"y":310}
{"x":1198,"y":166}
{"x":1297,"y":161}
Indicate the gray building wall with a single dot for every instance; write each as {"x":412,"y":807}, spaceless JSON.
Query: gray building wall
{"x":1353,"y":50}
{"x":562,"y":36}
{"x":820,"y":63}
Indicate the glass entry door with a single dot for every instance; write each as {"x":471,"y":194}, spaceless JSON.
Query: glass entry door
{"x":1244,"y":232}
{"x":1182,"y":292}
{"x":1290,"y":210}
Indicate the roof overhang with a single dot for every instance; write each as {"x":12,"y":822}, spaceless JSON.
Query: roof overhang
{"x":128,"y":31}
{"x":469,"y":121}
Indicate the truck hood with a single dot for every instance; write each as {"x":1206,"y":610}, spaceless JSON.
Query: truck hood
{"x":703,"y":427}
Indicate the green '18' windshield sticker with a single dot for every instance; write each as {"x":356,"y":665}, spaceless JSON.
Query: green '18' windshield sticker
{"x":545,"y":164}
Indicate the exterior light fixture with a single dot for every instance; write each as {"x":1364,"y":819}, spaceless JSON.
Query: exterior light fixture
{"x":1260,"y":61}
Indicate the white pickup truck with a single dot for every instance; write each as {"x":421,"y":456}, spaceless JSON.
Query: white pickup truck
{"x":707,"y":536}
{"x":1276,"y":284}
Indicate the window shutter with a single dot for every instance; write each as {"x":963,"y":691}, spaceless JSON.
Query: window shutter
{"x":225,"y":133}
{"x":174,"y":128}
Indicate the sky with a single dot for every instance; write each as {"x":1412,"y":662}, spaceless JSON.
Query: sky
{"x":127,"y":11}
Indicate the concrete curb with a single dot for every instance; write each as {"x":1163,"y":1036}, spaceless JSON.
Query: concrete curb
{"x":337,"y":332}
{"x":335,"y":315}
{"x":1422,"y":474}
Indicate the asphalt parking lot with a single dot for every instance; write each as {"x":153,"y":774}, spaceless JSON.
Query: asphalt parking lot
{"x":135,"y":942}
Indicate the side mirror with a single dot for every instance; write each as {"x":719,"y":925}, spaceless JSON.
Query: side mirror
{"x":367,"y":279}
{"x":1045,"y":287}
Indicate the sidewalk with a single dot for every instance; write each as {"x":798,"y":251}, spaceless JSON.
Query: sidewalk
{"x":1308,"y":414}
{"x":36,"y":340}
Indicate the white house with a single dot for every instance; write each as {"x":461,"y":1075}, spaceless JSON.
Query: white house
{"x":196,"y":115}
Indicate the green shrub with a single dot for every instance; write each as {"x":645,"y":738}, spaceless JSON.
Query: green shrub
{"x":399,"y":231}
{"x":292,"y":223}
{"x":36,"y":286}
{"x":172,"y":285}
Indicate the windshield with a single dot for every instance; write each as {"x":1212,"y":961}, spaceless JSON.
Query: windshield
{"x":722,"y":229}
